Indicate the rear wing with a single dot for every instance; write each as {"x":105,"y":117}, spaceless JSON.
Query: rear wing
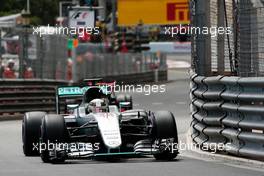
{"x":71,"y":91}
{"x":92,"y":81}
{"x":75,"y":91}
{"x":97,"y":82}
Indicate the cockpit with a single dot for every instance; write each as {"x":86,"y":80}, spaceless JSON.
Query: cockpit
{"x":94,"y":93}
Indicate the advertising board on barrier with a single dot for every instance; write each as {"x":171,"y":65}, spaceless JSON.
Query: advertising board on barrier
{"x":170,"y":47}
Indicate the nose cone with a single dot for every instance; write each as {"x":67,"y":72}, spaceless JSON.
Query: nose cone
{"x":108,"y":124}
{"x":112,"y":139}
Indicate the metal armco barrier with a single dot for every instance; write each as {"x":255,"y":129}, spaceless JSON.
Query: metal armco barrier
{"x":229,"y":110}
{"x":140,"y":78}
{"x":20,"y":96}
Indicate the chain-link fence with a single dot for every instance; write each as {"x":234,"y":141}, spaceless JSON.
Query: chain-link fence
{"x":89,"y":64}
{"x":238,"y":53}
{"x":251,"y":38}
{"x":51,"y":57}
{"x":51,"y":61}
{"x":29,"y":56}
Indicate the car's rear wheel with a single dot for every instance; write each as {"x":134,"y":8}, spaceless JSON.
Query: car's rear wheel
{"x":165,"y":133}
{"x":31,"y":132}
{"x":53,"y":132}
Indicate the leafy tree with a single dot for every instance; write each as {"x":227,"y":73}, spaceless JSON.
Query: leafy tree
{"x":43,"y":12}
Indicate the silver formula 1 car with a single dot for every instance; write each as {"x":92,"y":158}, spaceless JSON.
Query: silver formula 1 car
{"x":98,"y":128}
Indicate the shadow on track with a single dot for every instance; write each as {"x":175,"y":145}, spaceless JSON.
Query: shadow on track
{"x":115,"y":161}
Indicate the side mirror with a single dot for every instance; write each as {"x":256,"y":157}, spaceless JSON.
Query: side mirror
{"x":72,"y":106}
{"x":124,"y":106}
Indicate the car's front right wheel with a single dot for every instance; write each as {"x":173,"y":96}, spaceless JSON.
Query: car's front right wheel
{"x":30,"y":132}
{"x":165,"y":134}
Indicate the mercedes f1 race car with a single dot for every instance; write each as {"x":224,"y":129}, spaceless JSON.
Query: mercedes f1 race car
{"x":98,"y":127}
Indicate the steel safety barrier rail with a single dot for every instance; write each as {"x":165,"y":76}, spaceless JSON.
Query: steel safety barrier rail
{"x":229,"y":110}
{"x":18,"y":96}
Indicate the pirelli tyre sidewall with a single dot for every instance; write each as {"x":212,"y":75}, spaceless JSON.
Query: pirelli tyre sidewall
{"x":164,"y":127}
{"x":53,"y":131}
{"x":31,"y":132}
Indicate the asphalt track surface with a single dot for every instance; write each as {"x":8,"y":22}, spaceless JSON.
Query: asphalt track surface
{"x":176,"y":99}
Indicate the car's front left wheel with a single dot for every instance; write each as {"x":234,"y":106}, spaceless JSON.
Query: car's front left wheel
{"x":53,"y":134}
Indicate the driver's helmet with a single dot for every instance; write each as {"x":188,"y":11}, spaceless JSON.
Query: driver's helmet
{"x":97,"y":105}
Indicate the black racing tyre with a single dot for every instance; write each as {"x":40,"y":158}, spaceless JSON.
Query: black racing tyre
{"x":53,"y":131}
{"x":167,"y":155}
{"x":165,"y":127}
{"x":124,"y":98}
{"x":31,"y":132}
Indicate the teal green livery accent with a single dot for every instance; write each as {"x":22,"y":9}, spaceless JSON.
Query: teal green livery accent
{"x":79,"y":91}
{"x":74,"y":91}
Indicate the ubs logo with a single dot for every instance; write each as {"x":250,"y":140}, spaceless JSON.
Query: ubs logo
{"x":178,"y":11}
